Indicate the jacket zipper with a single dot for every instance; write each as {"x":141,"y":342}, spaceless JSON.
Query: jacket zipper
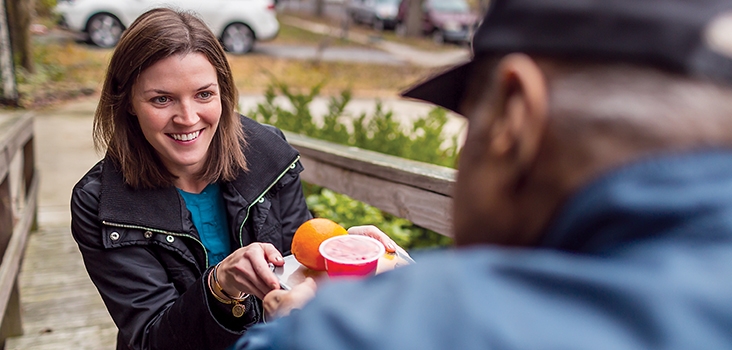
{"x":256,"y":200}
{"x":159,"y":231}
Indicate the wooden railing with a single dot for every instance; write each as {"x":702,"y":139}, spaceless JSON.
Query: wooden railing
{"x":416,"y":191}
{"x":18,"y":208}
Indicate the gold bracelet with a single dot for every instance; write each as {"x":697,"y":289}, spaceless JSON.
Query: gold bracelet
{"x":239,"y":308}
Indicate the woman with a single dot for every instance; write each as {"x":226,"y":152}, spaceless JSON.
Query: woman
{"x":178,"y":223}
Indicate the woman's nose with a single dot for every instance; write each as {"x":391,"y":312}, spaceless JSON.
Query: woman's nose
{"x":186,"y":114}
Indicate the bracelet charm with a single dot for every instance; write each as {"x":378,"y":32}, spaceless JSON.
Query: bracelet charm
{"x":239,"y":308}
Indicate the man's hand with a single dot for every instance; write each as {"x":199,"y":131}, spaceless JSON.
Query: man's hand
{"x":374,"y":232}
{"x":279,"y":303}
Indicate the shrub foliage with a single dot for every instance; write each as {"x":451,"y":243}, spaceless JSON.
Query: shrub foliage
{"x":379,"y":132}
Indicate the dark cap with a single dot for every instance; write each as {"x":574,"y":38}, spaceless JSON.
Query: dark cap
{"x":692,"y":37}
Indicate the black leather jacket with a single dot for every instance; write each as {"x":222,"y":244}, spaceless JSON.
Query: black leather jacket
{"x":145,"y":257}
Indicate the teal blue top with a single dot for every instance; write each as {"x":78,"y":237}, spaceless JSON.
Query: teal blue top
{"x":209,"y":218}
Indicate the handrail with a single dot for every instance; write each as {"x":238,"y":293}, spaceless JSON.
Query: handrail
{"x":419,"y":192}
{"x":18,"y":209}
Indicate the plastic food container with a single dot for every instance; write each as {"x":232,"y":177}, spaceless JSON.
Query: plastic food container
{"x":351,"y":255}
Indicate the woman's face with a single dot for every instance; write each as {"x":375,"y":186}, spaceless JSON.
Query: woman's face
{"x":178,"y":106}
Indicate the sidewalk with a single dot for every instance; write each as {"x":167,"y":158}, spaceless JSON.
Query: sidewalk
{"x":400,"y":51}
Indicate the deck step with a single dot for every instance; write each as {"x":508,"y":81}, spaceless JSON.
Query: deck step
{"x":61,"y":309}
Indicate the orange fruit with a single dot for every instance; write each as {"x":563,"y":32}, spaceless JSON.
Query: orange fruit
{"x":307,"y":239}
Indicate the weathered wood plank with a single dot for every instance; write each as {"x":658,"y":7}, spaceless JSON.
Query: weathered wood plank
{"x":62,"y":309}
{"x":16,"y":247}
{"x":426,"y":176}
{"x":18,"y":133}
{"x":11,"y":325}
{"x":424,"y":208}
{"x":416,"y":191}
{"x":4,"y":164}
{"x":92,"y":337}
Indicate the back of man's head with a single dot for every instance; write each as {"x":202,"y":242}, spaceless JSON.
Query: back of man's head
{"x":561,"y":91}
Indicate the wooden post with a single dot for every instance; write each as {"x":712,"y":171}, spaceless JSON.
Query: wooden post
{"x":6,"y":212}
{"x":7,"y":73}
{"x":11,"y":321}
{"x":29,"y":172}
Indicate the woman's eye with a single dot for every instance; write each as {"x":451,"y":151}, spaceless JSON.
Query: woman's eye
{"x":161,"y":99}
{"x":205,"y":94}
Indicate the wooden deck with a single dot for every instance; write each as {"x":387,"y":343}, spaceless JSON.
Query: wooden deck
{"x":61,"y":309}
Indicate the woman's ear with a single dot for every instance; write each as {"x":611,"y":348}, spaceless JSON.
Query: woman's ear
{"x":520,"y":110}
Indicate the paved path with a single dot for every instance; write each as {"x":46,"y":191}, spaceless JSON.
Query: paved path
{"x":328,"y":54}
{"x":401,"y":52}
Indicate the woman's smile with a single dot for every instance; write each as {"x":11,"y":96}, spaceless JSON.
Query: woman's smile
{"x":186,"y":137}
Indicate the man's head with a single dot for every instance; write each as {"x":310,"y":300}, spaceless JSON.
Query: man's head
{"x":560,"y":92}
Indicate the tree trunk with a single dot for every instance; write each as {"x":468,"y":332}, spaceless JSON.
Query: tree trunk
{"x":319,"y":8}
{"x":20,"y":21}
{"x":9,"y":91}
{"x":415,"y":18}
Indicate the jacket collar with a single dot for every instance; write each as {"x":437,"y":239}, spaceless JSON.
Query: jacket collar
{"x":268,"y":156}
{"x":687,"y":195}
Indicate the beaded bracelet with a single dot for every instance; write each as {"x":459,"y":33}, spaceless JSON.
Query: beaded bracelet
{"x":239,"y":308}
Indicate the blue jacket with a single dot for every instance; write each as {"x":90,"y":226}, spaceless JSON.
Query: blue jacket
{"x":639,"y":259}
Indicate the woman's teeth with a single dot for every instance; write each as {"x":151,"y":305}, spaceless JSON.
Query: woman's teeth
{"x":186,"y":137}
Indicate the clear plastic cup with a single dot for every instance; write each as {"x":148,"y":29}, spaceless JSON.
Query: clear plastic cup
{"x":351,"y":255}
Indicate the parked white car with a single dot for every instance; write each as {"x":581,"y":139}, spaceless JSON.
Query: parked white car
{"x":237,"y":23}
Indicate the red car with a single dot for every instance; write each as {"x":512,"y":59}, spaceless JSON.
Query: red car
{"x":444,"y":20}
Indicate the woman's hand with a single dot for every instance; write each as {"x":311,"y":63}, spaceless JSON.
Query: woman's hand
{"x":279,"y":303}
{"x":247,"y":270}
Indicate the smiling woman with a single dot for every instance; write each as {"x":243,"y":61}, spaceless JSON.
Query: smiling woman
{"x":192,"y":201}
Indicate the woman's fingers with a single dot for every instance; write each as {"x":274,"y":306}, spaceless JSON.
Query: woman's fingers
{"x":259,"y":256}
{"x":249,"y":268}
{"x":272,"y":254}
{"x":373,"y":232}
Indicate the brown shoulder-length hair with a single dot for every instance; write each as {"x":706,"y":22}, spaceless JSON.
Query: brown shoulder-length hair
{"x":156,"y":35}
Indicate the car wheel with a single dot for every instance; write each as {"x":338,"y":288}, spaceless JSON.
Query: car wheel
{"x":438,"y":37}
{"x":238,"y":38}
{"x":104,"y":30}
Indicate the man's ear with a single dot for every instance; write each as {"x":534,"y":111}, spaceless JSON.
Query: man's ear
{"x":520,"y":110}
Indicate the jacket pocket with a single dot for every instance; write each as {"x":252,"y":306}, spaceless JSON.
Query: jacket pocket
{"x":119,"y":237}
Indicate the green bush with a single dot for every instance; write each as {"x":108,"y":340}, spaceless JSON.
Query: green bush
{"x":378,"y":132}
